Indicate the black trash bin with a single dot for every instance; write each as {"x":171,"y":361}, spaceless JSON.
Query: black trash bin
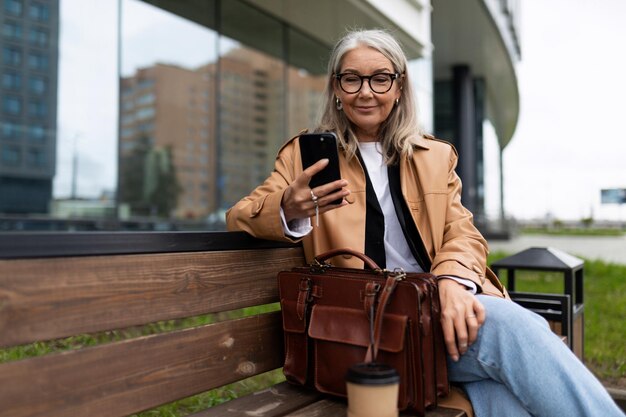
{"x":565,"y":312}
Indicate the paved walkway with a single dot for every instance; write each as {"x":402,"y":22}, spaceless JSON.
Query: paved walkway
{"x":606,"y":248}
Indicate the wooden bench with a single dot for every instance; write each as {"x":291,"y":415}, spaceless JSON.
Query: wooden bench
{"x":57,"y":285}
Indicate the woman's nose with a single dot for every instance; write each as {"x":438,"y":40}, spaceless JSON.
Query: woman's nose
{"x":365,"y":90}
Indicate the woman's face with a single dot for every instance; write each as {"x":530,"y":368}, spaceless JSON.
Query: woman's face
{"x":366,"y":109}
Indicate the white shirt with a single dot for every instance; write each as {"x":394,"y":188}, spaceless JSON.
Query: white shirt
{"x":397,"y":251}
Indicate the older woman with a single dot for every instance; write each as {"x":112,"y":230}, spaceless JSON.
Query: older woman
{"x":401,"y":205}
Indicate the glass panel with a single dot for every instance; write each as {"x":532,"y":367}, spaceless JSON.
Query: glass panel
{"x":251,"y":99}
{"x":12,"y":31}
{"x":39,"y":12}
{"x":86,"y":159}
{"x":307,"y":78}
{"x":167,"y":109}
{"x":13,"y":7}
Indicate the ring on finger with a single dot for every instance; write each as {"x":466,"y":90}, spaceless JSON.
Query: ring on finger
{"x":313,"y":197}
{"x":470,"y":316}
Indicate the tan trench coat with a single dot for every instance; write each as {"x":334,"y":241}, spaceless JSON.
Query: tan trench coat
{"x":431,"y":189}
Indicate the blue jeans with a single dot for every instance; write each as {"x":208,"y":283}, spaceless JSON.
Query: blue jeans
{"x":519,"y":367}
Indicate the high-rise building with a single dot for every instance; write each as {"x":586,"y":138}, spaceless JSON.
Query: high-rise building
{"x":166,"y":110}
{"x":29,"y":32}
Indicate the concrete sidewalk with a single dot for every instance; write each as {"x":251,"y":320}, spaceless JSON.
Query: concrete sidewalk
{"x":605,"y":248}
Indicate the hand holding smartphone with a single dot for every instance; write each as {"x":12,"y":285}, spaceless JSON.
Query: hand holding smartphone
{"x":316,"y":146}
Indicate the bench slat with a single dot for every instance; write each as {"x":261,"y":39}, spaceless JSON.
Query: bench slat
{"x":276,"y":401}
{"x":43,"y":299}
{"x":286,"y":400}
{"x":329,"y":407}
{"x":126,"y":377}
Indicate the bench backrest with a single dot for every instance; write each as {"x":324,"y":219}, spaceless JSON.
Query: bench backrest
{"x":47,"y":298}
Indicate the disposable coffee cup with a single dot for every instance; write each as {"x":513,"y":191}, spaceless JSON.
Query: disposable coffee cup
{"x":372,"y":390}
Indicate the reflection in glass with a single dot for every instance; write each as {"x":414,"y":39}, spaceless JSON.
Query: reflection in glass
{"x":306,"y":81}
{"x":197,"y":123}
{"x":167,"y":112}
{"x":25,"y":188}
{"x":251,"y":123}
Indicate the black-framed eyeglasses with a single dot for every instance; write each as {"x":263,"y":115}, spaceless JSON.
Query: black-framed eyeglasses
{"x":379,"y":83}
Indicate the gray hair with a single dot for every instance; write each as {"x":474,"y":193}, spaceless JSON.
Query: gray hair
{"x":399,"y":131}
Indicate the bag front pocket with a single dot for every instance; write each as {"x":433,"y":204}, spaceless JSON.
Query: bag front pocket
{"x":341,"y":337}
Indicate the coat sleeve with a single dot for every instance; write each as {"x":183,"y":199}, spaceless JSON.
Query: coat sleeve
{"x":464,"y":250}
{"x":259,"y":213}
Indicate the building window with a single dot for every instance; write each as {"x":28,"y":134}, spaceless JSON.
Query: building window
{"x":38,"y":61}
{"x":10,"y":130}
{"x":37,"y":85}
{"x":39,"y":37}
{"x":13,"y":7}
{"x":37,"y":133}
{"x":36,"y":158}
{"x":11,"y":105}
{"x":145,"y":113}
{"x":145,"y":99}
{"x":37,"y":109}
{"x":11,"y":155}
{"x":128,"y":132}
{"x":12,"y":30}
{"x":12,"y":56}
{"x":146,"y":83}
{"x":39,"y":12}
{"x":11,"y":81}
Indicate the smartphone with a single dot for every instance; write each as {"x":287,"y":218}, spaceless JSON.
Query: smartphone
{"x":316,"y":146}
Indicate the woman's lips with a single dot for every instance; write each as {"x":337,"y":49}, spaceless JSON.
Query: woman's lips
{"x":365,"y":109}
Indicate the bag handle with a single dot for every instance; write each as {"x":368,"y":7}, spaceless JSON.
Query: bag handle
{"x":369,"y":262}
{"x":376,"y":330}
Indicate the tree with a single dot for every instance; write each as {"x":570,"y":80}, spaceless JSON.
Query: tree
{"x":148,"y":181}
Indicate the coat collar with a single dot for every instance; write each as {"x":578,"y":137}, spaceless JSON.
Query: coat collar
{"x":422,"y":142}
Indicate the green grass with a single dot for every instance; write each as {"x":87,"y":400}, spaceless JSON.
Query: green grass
{"x":211,"y":398}
{"x":605,"y":313}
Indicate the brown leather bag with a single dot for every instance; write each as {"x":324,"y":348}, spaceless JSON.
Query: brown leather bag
{"x":336,"y":317}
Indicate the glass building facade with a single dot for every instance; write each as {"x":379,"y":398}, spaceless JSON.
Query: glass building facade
{"x":168,"y":111}
{"x":28,"y":102}
{"x":161,"y":114}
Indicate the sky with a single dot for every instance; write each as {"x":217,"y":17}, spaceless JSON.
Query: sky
{"x":569,"y":143}
{"x":570,"y":140}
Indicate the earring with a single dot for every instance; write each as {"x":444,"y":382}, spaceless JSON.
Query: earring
{"x":397,"y":101}
{"x":338,"y":104}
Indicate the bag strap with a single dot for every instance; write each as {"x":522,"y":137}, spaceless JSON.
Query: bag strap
{"x":369,"y":263}
{"x":390,"y":285}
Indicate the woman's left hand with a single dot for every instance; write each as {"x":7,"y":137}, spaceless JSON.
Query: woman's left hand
{"x":461,"y":316}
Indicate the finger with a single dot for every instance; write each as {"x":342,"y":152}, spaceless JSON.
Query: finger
{"x":330,"y":207}
{"x":329,"y":199}
{"x":325,"y":189}
{"x":472,"y":329}
{"x":307,"y":174}
{"x":480,"y":312}
{"x":460,"y":326}
{"x":475,"y":320}
{"x":449,"y":338}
